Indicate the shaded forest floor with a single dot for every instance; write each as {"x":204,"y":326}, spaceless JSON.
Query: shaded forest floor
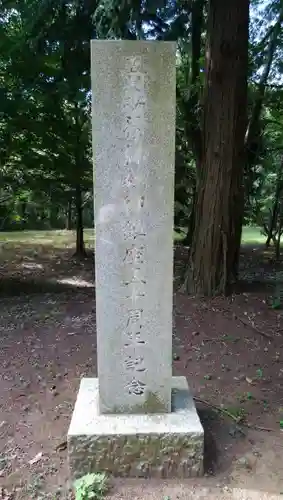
{"x":231,"y":351}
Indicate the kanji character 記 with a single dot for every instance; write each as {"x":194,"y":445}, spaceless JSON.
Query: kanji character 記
{"x":135,"y":364}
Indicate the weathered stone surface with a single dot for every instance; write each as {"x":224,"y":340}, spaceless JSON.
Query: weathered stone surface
{"x":137,"y":421}
{"x":160,"y":445}
{"x":133,"y":88}
{"x":157,"y":490}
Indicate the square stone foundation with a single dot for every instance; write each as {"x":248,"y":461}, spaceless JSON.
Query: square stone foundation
{"x":166,"y":445}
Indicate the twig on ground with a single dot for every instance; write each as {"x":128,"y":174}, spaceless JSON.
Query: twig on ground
{"x":249,"y":325}
{"x":213,"y":339}
{"x":255,"y":329}
{"x":219,"y":410}
{"x":238,"y":420}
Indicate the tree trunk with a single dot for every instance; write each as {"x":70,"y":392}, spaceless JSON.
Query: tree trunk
{"x":69,"y":215}
{"x":253,"y":133}
{"x":187,"y":241}
{"x":53,"y":215}
{"x":280,"y":226}
{"x":192,"y":118}
{"x":80,"y":247}
{"x":192,"y":108}
{"x":23,"y":210}
{"x":219,"y":208}
{"x":273,"y":222}
{"x":276,"y":210}
{"x":278,"y":242}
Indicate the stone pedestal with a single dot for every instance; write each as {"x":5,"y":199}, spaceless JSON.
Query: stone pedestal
{"x":133,"y":421}
{"x":163,"y":446}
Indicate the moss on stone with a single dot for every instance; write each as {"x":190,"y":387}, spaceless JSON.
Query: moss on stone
{"x":151,"y":405}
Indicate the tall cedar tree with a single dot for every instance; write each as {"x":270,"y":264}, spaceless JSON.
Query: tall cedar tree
{"x":219,"y":205}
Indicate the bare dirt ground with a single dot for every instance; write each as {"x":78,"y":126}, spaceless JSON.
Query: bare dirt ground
{"x":229,"y":349}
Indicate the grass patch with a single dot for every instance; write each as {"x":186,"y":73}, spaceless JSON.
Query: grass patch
{"x":67,"y":239}
{"x":54,"y":238}
{"x":252,"y":234}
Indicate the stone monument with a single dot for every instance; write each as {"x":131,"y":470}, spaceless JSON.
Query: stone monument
{"x":134,"y":420}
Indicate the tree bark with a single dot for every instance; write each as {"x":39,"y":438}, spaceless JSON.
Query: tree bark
{"x":80,"y":247}
{"x":79,"y":171}
{"x":253,"y":133}
{"x":69,"y":215}
{"x":192,"y":108}
{"x":276,"y":210}
{"x":53,"y":214}
{"x":273,"y":222}
{"x":280,"y":225}
{"x":219,"y":207}
{"x":192,"y":115}
{"x":191,"y":226}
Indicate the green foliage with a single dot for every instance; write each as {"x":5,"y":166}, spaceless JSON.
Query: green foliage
{"x":140,"y":19}
{"x":91,"y":487}
{"x":45,"y":134}
{"x":45,"y":130}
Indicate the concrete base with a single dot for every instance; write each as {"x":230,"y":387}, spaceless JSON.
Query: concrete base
{"x":182,"y":490}
{"x":162,"y":445}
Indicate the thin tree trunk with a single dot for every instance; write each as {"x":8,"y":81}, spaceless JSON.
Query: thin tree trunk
{"x":253,"y":130}
{"x":192,"y":118}
{"x":273,"y":222}
{"x":80,"y":247}
{"x":192,"y":108}
{"x":278,"y":242}
{"x":191,"y":226}
{"x":276,"y":211}
{"x":69,"y":215}
{"x":219,"y":207}
{"x":53,"y":215}
{"x":23,"y":209}
{"x":79,"y":169}
{"x":280,"y":226}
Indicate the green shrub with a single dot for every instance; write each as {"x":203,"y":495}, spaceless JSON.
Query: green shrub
{"x":91,"y":487}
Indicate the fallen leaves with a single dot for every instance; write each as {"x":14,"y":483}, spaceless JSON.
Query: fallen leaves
{"x":249,"y":380}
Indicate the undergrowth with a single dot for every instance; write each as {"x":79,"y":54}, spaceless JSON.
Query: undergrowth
{"x":91,"y":487}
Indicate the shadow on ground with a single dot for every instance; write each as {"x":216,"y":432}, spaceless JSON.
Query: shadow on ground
{"x":28,"y":269}
{"x":218,"y":434}
{"x":13,"y":287}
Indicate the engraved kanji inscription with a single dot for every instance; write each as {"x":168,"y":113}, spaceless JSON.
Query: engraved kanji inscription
{"x":134,"y":338}
{"x":134,"y":295}
{"x":136,"y":278}
{"x":134,"y":156}
{"x":134,"y":255}
{"x":135,"y":80}
{"x":135,"y":316}
{"x":141,"y":202}
{"x":133,"y":229}
{"x":136,"y":386}
{"x":135,"y":363}
{"x":129,"y":180}
{"x":133,"y":63}
{"x":139,"y":98}
{"x":132,"y":133}
{"x":127,"y":199}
